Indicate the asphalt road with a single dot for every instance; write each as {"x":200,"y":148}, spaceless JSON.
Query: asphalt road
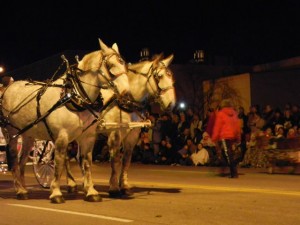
{"x":163,"y":195}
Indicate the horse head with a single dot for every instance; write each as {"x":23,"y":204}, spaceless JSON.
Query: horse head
{"x":108,"y":66}
{"x":159,"y":80}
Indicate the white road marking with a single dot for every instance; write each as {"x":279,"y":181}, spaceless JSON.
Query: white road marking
{"x":74,"y":213}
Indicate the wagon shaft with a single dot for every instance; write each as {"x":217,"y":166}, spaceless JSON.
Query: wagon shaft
{"x":111,"y":126}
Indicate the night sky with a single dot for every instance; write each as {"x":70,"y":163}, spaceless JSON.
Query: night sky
{"x":251,"y":32}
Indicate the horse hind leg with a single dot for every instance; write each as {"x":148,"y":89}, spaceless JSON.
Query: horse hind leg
{"x":60,"y":163}
{"x":19,"y":182}
{"x":18,"y":162}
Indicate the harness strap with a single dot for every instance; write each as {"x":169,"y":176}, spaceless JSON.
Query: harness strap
{"x":78,"y":86}
{"x":38,"y":112}
{"x":59,"y":103}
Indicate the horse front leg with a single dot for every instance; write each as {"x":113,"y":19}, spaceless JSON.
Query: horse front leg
{"x":88,"y":186}
{"x":114,"y":143}
{"x":92,"y":194}
{"x":129,"y":143}
{"x":60,"y":163}
{"x":125,"y":187}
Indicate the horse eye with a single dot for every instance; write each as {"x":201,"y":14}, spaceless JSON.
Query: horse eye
{"x":108,"y":66}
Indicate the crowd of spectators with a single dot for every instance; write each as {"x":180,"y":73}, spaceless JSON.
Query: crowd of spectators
{"x":181,"y":137}
{"x":178,"y":138}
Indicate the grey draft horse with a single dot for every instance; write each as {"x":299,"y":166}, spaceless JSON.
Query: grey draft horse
{"x":150,"y":79}
{"x":61,"y":111}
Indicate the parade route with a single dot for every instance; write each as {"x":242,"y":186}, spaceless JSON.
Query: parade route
{"x":162,"y":195}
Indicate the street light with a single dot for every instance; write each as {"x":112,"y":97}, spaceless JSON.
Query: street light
{"x":1,"y":69}
{"x":182,"y":105}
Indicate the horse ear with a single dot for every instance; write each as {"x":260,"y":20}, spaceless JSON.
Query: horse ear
{"x":167,"y":61}
{"x":102,"y":45}
{"x":115,"y":47}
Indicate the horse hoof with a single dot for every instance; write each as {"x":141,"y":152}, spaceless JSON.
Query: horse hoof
{"x":126,"y":192}
{"x":22,"y":196}
{"x":93,"y":198}
{"x":114,"y":194}
{"x":72,"y":189}
{"x":57,"y":200}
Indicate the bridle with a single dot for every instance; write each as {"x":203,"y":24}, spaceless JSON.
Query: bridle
{"x":154,"y":75}
{"x":157,"y":77}
{"x":105,"y":61}
{"x":76,"y":73}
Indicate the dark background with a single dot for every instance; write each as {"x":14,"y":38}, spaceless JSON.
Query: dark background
{"x":250,"y":32}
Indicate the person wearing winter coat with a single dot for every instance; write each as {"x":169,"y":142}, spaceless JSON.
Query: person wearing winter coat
{"x":227,"y":134}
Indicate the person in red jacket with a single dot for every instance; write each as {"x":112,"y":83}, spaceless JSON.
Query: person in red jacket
{"x":227,"y":134}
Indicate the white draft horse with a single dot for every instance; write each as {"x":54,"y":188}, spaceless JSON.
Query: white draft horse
{"x":61,"y":111}
{"x":151,"y":79}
